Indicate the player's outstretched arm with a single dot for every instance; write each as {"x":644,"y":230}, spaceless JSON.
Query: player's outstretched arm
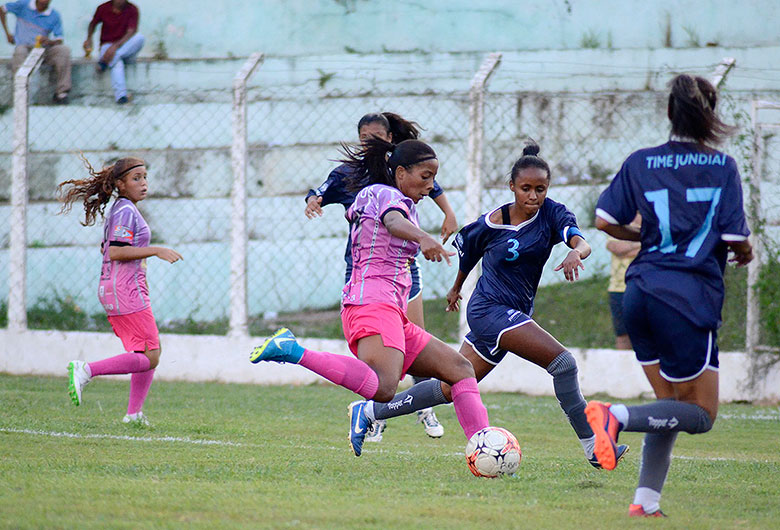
{"x":453,"y":296}
{"x":580,"y":249}
{"x":401,"y":227}
{"x":450,"y":224}
{"x":743,"y":252}
{"x":625,"y":232}
{"x":129,"y":253}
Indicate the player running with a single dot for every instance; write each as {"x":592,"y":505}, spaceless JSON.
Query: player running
{"x":690,"y":199}
{"x":391,"y":128}
{"x":123,"y":290}
{"x":385,"y":237}
{"x":514,"y":242}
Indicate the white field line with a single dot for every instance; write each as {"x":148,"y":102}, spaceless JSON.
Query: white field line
{"x":175,"y":439}
{"x":193,"y":441}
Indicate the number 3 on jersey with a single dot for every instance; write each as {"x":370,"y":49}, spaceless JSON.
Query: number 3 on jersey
{"x":513,"y":254}
{"x":660,"y":200}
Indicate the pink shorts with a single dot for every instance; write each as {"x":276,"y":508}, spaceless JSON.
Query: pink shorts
{"x":389,"y":322}
{"x":137,"y":331}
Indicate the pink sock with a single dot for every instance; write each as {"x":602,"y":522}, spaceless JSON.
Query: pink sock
{"x":471,"y":413}
{"x":139,"y":388}
{"x":125,"y":363}
{"x":349,"y":372}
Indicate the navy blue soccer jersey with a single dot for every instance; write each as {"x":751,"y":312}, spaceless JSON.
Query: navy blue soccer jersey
{"x":690,"y":199}
{"x":334,"y":189}
{"x":513,"y":256}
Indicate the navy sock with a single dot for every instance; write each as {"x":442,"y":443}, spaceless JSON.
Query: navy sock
{"x":668,"y":415}
{"x":567,"y":389}
{"x":656,"y":458}
{"x":420,"y":396}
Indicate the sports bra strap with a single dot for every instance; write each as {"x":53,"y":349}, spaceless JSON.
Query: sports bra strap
{"x":505,"y":215}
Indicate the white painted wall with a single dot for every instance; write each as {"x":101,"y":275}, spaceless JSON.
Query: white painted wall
{"x":223,"y":359}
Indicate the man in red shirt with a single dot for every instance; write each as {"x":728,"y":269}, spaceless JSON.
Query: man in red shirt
{"x":120,"y":41}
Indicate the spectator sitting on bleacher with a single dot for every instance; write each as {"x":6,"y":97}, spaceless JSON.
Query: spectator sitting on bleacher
{"x":35,"y":21}
{"x":120,"y":42}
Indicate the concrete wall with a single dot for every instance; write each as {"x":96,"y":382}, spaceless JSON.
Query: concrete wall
{"x":222,"y":359}
{"x":587,"y":108}
{"x":200,"y":28}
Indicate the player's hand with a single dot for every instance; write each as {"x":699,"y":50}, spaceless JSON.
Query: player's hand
{"x":87,"y":46}
{"x":742,"y":259}
{"x":169,"y":255}
{"x":571,"y":265}
{"x":448,"y":227}
{"x":453,"y":300}
{"x":10,"y":38}
{"x":313,"y":207}
{"x":433,"y":251}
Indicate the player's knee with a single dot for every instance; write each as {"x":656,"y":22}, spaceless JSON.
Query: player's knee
{"x":385,"y":393}
{"x":563,"y":364}
{"x":705,"y":423}
{"x":463,"y":367}
{"x":154,"y":357}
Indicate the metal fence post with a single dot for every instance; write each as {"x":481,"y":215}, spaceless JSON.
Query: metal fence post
{"x":238,"y":229}
{"x":474,"y":170}
{"x":754,"y":217}
{"x":17,"y":262}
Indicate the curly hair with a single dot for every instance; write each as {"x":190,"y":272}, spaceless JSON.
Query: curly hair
{"x":97,"y":190}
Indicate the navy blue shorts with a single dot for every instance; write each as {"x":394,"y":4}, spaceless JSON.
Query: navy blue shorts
{"x":414,"y":269}
{"x":616,"y":308}
{"x":661,"y":334}
{"x":487,"y":322}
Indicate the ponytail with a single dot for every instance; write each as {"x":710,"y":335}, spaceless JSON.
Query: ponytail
{"x":371,"y":165}
{"x":400,"y":128}
{"x":691,"y":110}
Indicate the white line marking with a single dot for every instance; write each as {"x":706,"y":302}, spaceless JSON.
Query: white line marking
{"x":125,"y":437}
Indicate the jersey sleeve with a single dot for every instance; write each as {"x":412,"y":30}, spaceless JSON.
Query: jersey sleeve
{"x":616,"y":204}
{"x":123,"y":226}
{"x":390,"y":199}
{"x":436,"y":190}
{"x":565,"y":223}
{"x":470,"y":243}
{"x":732,"y":224}
{"x":329,"y":189}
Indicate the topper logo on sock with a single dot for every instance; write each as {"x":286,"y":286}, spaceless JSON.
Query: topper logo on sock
{"x":395,"y":405}
{"x":658,"y":423}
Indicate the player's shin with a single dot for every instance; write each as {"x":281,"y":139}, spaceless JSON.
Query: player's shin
{"x":471,"y":413}
{"x":417,"y":397}
{"x":567,"y":389}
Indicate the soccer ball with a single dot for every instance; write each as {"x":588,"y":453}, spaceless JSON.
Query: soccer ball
{"x":493,"y":451}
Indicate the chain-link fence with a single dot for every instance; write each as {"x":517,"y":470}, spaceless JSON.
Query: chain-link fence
{"x":295,"y":132}
{"x":763,"y":204}
{"x":296,"y":121}
{"x":187,"y":151}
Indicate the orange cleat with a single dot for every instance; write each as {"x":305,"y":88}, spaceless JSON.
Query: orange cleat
{"x":605,"y":427}
{"x":636,"y":510}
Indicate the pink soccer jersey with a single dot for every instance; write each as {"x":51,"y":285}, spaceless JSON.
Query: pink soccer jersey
{"x":123,"y":289}
{"x":380,"y":271}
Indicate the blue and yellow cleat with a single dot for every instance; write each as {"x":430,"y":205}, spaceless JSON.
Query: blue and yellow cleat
{"x":359,"y":425}
{"x":281,"y":347}
{"x":620,"y":453}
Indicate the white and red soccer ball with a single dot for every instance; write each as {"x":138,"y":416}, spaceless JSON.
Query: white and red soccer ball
{"x":492,"y":452}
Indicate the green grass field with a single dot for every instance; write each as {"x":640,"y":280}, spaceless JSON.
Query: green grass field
{"x":221,"y":456}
